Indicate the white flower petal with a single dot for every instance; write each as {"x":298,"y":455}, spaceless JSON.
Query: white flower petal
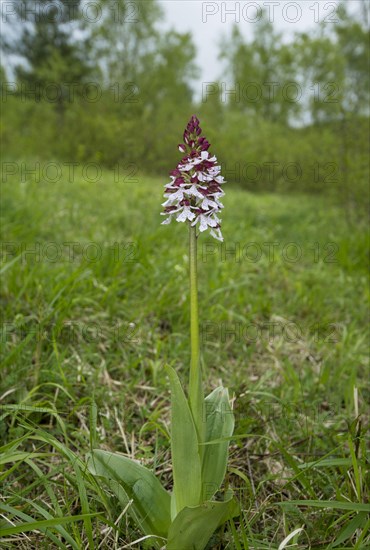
{"x":203,"y":176}
{"x":206,"y":203}
{"x":186,"y":214}
{"x":181,"y":217}
{"x":179,"y":195}
{"x":203,"y":224}
{"x":216,"y":233}
{"x":194,"y":192}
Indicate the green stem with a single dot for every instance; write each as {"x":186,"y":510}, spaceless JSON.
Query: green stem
{"x":195,"y":379}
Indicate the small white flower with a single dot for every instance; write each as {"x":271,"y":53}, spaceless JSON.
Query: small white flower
{"x":193,"y":191}
{"x":206,"y":204}
{"x":203,"y":156}
{"x":216,"y":233}
{"x":205,"y":222}
{"x":186,"y":214}
{"x":204,"y":176}
{"x":174,"y":197}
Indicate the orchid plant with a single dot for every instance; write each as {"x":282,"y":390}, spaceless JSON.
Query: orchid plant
{"x":201,"y":427}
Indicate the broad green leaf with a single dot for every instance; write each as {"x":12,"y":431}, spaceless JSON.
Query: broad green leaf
{"x":151,"y":502}
{"x":128,"y":505}
{"x":219,"y":424}
{"x":186,"y":464}
{"x":193,"y":526}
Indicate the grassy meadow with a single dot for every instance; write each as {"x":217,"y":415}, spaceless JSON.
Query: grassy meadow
{"x":95,"y":302}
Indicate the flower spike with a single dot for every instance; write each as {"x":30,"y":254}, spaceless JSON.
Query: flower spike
{"x":194,"y":192}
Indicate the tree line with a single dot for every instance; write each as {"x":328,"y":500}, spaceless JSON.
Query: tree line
{"x":104,"y":82}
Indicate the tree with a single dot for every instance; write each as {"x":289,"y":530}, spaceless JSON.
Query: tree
{"x":353,"y":39}
{"x":52,"y":48}
{"x":263,"y":73}
{"x":334,"y":65}
{"x":124,"y":34}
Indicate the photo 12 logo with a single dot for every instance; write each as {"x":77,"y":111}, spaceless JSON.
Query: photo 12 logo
{"x":68,"y":252}
{"x":290,"y":172}
{"x":252,"y":12}
{"x":251,"y":92}
{"x":91,"y":11}
{"x":270,"y":252}
{"x":69,"y":92}
{"x":66,"y":172}
{"x":69,"y":332}
{"x":251,"y":332}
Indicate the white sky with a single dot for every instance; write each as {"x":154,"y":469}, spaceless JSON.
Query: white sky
{"x":210,"y":20}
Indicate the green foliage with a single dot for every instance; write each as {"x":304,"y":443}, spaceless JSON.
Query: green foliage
{"x":50,"y":51}
{"x":142,"y":90}
{"x":298,"y":454}
{"x":186,"y":461}
{"x":151,"y":503}
{"x":67,"y":337}
{"x":299,"y":111}
{"x":254,"y":64}
{"x":219,"y":426}
{"x":193,"y":527}
{"x":188,"y":518}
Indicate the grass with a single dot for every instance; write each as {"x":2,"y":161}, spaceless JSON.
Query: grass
{"x":95,"y":302}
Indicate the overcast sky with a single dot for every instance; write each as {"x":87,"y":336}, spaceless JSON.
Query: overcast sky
{"x":210,"y":20}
